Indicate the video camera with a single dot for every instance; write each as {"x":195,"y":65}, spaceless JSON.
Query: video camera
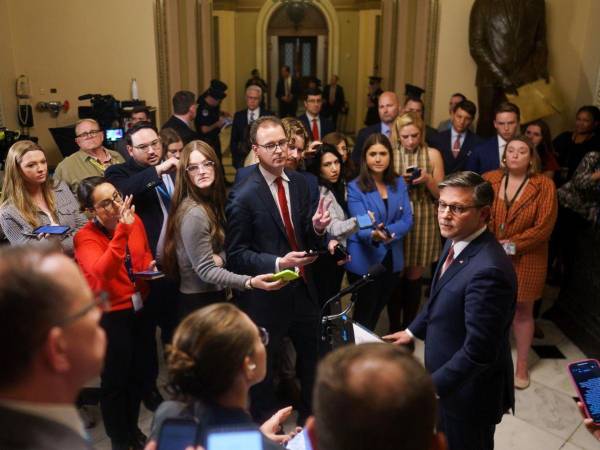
{"x":7,"y":138}
{"x":105,"y":109}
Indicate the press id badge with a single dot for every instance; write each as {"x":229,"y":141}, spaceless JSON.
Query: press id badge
{"x":137,"y":301}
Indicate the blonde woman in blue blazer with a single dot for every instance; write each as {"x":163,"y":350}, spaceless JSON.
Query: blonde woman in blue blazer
{"x":380,"y":190}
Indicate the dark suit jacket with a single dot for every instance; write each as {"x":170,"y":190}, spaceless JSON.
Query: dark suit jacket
{"x":443,"y":143}
{"x":325,"y":122}
{"x":183,"y":130}
{"x":466,"y":326}
{"x":256,"y":237}
{"x":340,"y":98}
{"x":132,"y":179}
{"x":313,"y":183}
{"x":363,"y":134}
{"x":22,"y":431}
{"x":240,"y":143}
{"x":485,"y":157}
{"x":296,"y":89}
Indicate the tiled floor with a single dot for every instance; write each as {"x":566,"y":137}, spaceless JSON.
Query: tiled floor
{"x":546,"y":417}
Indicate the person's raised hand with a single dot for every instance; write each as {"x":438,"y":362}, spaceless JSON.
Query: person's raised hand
{"x":272,"y":426}
{"x":266,"y":282}
{"x":321,"y":219}
{"x":168,"y":165}
{"x":127,"y":211}
{"x":311,"y":151}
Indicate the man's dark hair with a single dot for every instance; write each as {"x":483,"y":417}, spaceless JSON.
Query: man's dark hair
{"x":459,"y":94}
{"x":366,"y":183}
{"x":373,"y":396}
{"x":261,"y":121}
{"x":141,"y":109}
{"x":592,"y":111}
{"x":483,"y":193}
{"x":85,"y":191}
{"x":508,"y":107}
{"x":467,"y":106}
{"x":31,"y":302}
{"x":182,"y":100}
{"x":312,"y":91}
{"x":137,"y":127}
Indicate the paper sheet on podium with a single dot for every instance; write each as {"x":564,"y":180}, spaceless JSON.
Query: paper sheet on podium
{"x":536,"y":100}
{"x":363,"y":336}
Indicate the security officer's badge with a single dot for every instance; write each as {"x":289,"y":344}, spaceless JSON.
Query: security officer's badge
{"x":205,"y":112}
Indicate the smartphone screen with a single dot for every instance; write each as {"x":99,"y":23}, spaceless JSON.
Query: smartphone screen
{"x":364,"y":221}
{"x":51,"y":229}
{"x":586,"y":375}
{"x":234,"y":440}
{"x":177,"y":434}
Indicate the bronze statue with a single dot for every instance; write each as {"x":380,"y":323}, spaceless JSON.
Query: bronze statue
{"x":507,"y":40}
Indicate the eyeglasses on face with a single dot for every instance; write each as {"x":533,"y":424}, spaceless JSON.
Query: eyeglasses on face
{"x":107,"y":203}
{"x":454,"y":209}
{"x":100,"y":301}
{"x":271,"y":146}
{"x":195,"y":168}
{"x":155,"y":144}
{"x":264,"y":335}
{"x":88,"y":134}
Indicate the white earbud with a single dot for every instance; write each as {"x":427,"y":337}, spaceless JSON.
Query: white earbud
{"x":252,"y":366}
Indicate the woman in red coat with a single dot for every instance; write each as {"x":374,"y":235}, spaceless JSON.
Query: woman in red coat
{"x":110,"y":249}
{"x":523,"y":216}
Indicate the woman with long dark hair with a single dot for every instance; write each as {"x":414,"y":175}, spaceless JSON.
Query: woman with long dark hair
{"x":538,"y":133}
{"x":378,"y":190}
{"x":194,"y":242}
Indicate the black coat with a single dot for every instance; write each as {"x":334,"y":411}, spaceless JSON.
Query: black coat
{"x":183,"y":130}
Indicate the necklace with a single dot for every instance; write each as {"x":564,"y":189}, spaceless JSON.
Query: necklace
{"x":508,"y":203}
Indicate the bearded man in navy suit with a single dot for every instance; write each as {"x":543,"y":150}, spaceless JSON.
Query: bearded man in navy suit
{"x":466,"y":323}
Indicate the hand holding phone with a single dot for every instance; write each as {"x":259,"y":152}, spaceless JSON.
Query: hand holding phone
{"x":286,"y":275}
{"x":585,"y":375}
{"x":52,"y":229}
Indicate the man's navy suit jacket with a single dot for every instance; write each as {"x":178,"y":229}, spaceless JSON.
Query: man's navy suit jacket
{"x":442,"y":141}
{"x":313,"y":183}
{"x":256,"y":237}
{"x":325,"y":122}
{"x":465,"y":326}
{"x":485,"y":157}
{"x":240,"y":143}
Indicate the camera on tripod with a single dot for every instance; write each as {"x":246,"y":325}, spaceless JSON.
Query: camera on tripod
{"x":105,"y":109}
{"x":7,"y":138}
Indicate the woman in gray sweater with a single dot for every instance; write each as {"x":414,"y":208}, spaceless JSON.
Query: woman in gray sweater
{"x":30,"y":199}
{"x":194,"y":242}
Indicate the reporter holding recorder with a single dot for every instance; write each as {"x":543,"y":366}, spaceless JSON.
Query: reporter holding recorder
{"x":110,"y":249}
{"x":194,"y":244}
{"x":30,"y":198}
{"x":377,"y":189}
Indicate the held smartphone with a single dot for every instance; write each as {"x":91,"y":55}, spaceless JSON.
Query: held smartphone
{"x":414,"y":173}
{"x":234,"y":439}
{"x":586,"y":378}
{"x":51,"y":229}
{"x":286,"y":275}
{"x":149,"y":275}
{"x":364,"y":221}
{"x":177,"y":434}
{"x":340,"y":253}
{"x":314,"y":252}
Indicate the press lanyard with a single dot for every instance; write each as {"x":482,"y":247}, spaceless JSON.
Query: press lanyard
{"x":508,"y":203}
{"x":97,"y":164}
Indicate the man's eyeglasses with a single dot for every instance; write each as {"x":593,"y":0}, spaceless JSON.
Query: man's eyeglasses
{"x":195,"y":168}
{"x":88,"y":134}
{"x":99,"y":301}
{"x":271,"y":146}
{"x":107,"y":203}
{"x":264,"y":335}
{"x":155,"y":144}
{"x":454,"y":209}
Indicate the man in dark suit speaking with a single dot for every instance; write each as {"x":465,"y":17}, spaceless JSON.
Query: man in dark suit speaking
{"x":467,"y":321}
{"x":270,"y":226}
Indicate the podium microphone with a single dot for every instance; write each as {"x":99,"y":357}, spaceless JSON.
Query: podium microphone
{"x":373,"y":272}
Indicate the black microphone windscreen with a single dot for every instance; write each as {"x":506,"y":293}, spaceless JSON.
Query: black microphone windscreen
{"x":376,"y":270}
{"x":85,"y":97}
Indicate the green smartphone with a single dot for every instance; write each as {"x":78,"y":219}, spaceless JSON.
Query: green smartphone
{"x":286,"y":275}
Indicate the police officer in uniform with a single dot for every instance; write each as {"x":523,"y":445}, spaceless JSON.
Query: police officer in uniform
{"x":373,"y":101}
{"x":209,"y":117}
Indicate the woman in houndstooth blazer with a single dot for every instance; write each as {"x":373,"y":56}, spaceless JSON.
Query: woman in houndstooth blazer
{"x":523,"y":216}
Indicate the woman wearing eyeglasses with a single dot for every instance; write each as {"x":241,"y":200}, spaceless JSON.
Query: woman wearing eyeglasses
{"x":111,"y":250}
{"x":30,"y":199}
{"x":522,"y":219}
{"x":380,"y":190}
{"x":217,"y":355}
{"x":194,"y":244}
